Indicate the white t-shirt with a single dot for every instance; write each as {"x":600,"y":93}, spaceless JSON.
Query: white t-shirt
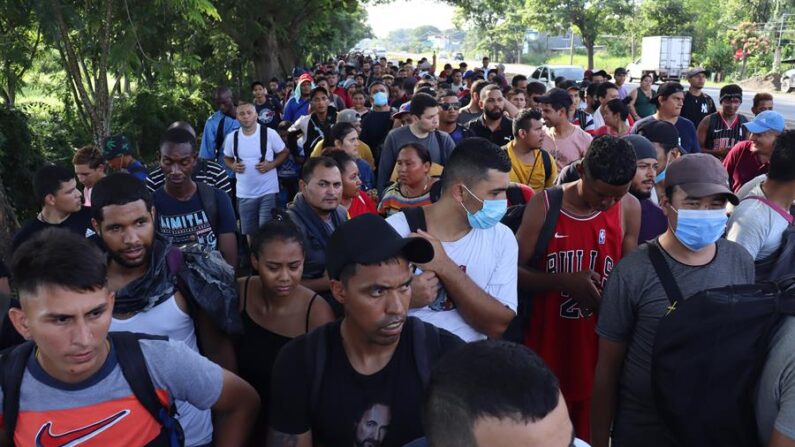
{"x":489,"y":257}
{"x":252,"y":184}
{"x":754,"y":225}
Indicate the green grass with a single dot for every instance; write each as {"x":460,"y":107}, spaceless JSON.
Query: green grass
{"x":600,"y":60}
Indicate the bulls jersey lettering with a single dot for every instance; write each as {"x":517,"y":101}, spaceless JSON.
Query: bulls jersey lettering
{"x":560,"y":331}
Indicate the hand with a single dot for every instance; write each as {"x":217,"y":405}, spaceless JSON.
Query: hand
{"x":584,"y":287}
{"x":424,"y":289}
{"x":263,"y":167}
{"x":440,"y":257}
{"x":238,"y":167}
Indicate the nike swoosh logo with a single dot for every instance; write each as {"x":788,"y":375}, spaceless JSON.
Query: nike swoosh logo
{"x":46,"y":438}
{"x":560,"y":236}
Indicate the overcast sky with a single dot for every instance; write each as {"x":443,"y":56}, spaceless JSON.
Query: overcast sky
{"x":408,"y":14}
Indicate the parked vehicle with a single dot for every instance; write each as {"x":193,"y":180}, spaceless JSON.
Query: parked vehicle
{"x":788,"y":78}
{"x":548,"y":73}
{"x":666,"y":58}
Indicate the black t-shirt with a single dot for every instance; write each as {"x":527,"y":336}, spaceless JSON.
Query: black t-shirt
{"x":351,"y":408}
{"x":695,"y":108}
{"x":375,"y":127}
{"x":269,"y":112}
{"x":3,"y":270}
{"x":79,"y":222}
{"x":502,"y":136}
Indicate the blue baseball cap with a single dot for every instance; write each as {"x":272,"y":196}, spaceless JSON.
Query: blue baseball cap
{"x":468,"y":74}
{"x":765,"y":121}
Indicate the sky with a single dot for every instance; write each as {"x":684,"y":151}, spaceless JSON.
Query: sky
{"x":397,"y":14}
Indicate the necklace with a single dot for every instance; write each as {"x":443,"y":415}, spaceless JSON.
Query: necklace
{"x":41,"y":218}
{"x":407,"y":188}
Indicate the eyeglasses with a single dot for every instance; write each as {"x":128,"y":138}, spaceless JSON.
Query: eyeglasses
{"x":450,"y":106}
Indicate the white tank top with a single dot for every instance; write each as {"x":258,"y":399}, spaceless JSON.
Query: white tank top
{"x":168,"y":319}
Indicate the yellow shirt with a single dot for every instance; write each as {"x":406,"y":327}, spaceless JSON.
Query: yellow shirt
{"x":533,"y":175}
{"x":364,"y":152}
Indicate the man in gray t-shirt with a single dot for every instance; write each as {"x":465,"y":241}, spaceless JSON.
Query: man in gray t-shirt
{"x":424,"y":131}
{"x":635,"y":301}
{"x":72,"y":388}
{"x":775,"y":399}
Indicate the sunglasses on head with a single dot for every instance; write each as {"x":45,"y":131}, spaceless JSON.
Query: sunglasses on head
{"x":451,"y":106}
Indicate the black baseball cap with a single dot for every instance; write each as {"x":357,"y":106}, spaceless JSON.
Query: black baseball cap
{"x":661,"y":132}
{"x":556,"y":96}
{"x":569,"y":84}
{"x":667,"y":89}
{"x":620,"y":71}
{"x":601,"y":73}
{"x":368,"y":239}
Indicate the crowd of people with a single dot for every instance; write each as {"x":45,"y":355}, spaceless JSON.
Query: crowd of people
{"x":375,"y":253}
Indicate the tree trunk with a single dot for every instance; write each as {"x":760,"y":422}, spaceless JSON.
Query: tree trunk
{"x":8,"y":223}
{"x":273,"y":57}
{"x":589,"y":49}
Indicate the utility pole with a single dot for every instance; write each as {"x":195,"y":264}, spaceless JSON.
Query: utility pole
{"x":571,"y":47}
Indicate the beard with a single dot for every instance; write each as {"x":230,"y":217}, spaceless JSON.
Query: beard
{"x":640,"y":195}
{"x":493,"y":114}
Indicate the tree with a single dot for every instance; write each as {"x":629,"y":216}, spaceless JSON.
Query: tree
{"x":664,"y":18}
{"x":20,"y":40}
{"x":498,"y":24}
{"x":98,"y":40}
{"x":590,"y":17}
{"x":274,"y":34}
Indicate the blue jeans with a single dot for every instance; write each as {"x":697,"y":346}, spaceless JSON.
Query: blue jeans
{"x":255,"y":213}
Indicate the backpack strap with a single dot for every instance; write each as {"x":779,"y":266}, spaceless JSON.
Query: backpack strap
{"x":415,"y":217}
{"x":234,"y":145}
{"x":774,"y":206}
{"x":672,"y":290}
{"x":219,"y":136}
{"x":547,"y":160}
{"x":427,"y":347}
{"x":13,"y":362}
{"x":207,"y":198}
{"x":440,"y":143}
{"x":554,"y":198}
{"x":263,"y":142}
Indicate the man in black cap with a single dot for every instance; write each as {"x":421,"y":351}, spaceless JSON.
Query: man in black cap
{"x":652,"y":219}
{"x":374,"y":363}
{"x":697,"y":103}
{"x":718,"y":132}
{"x":669,"y":99}
{"x":634,"y":299}
{"x":597,"y":77}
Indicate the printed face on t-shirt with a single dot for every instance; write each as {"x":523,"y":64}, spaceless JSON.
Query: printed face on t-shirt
{"x":372,"y":427}
{"x":69,"y":328}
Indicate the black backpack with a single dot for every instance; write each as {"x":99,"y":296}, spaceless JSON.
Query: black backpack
{"x":427,"y":347}
{"x":709,"y":351}
{"x":516,"y":329}
{"x":263,"y":143}
{"x":780,"y":264}
{"x":131,"y":360}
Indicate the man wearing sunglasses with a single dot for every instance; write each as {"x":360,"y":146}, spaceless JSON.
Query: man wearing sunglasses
{"x":449,"y":106}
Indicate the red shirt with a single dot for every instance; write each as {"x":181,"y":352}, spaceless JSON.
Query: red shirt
{"x":743,"y":164}
{"x":362,"y":205}
{"x":560,"y":332}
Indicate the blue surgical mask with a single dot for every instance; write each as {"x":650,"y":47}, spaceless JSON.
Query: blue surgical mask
{"x":660,"y":177}
{"x":488,"y":216}
{"x":696,"y":229}
{"x":380,"y":99}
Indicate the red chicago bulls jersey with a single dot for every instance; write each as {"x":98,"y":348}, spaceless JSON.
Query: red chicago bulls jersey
{"x":560,"y":332}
